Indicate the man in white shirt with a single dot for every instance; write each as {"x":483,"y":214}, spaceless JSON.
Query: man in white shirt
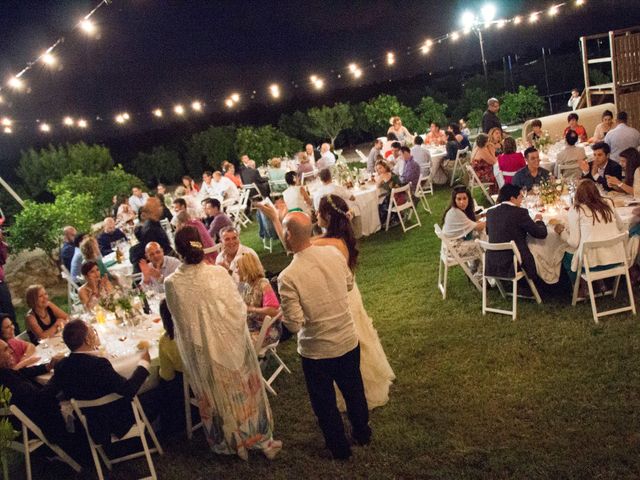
{"x":138,"y":199}
{"x":327,"y":158}
{"x":328,"y":187}
{"x":207,"y":189}
{"x":311,"y":154}
{"x":157,"y":266}
{"x":374,"y":153}
{"x":223,"y":187}
{"x":231,"y":252}
{"x":574,"y":99}
{"x":621,"y":137}
{"x":314,"y":291}
{"x":422,"y":156}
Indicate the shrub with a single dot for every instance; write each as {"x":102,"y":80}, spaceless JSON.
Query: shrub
{"x":328,"y":122}
{"x":264,"y":143}
{"x":431,"y":111}
{"x":39,"y":225}
{"x":208,"y":149}
{"x":525,"y":103}
{"x":37,"y":168}
{"x":297,"y":125}
{"x":379,"y":110}
{"x":160,"y":165}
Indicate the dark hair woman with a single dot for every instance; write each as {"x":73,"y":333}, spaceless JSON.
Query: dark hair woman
{"x":334,"y":216}
{"x":630,"y":161}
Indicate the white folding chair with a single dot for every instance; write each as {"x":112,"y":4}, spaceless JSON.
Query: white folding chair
{"x":308,"y":175}
{"x":266,"y":351}
{"x":237,"y":210}
{"x":189,"y":400}
{"x":253,"y":187}
{"x":72,"y":287}
{"x":518,"y":274}
{"x":421,"y":193}
{"x":362,"y":156}
{"x":462,"y":159}
{"x":449,"y":257}
{"x":166,"y":225}
{"x":276,"y":187}
{"x":618,"y":270}
{"x":138,"y":429}
{"x":475,"y":182}
{"x":395,"y":207}
{"x":27,"y":446}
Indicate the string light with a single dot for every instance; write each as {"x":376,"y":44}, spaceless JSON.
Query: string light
{"x":391,"y":58}
{"x":7,"y":130}
{"x":579,"y":3}
{"x":158,"y":112}
{"x":501,"y":23}
{"x":87,"y":26}
{"x":120,"y":119}
{"x":126,"y":116}
{"x":178,"y":109}
{"x":357,"y":73}
{"x":455,"y":36}
{"x":533,"y":18}
{"x":517,"y":20}
{"x":15,"y":83}
{"x":353,"y":67}
{"x":6,"y":122}
{"x":235,"y":97}
{"x":82,"y":123}
{"x":68,"y":121}
{"x":553,"y":10}
{"x":48,"y":59}
{"x":274,"y":90}
{"x":45,"y":128}
{"x":228,"y":102}
{"x":319,"y":84}
{"x":196,"y":106}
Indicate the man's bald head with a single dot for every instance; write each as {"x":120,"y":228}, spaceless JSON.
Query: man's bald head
{"x":297,"y":231}
{"x":109,"y":224}
{"x":153,"y":252}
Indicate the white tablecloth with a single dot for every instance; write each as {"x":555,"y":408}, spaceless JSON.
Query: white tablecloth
{"x":548,"y":252}
{"x":367,"y":203}
{"x":119,"y":345}
{"x":122,"y":270}
{"x":438,"y":154}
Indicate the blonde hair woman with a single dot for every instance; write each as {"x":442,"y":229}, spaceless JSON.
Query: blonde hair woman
{"x":400,"y":131}
{"x":496,"y":139}
{"x":44,"y":319}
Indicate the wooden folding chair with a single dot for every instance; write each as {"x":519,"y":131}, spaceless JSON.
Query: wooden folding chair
{"x":475,"y":182}
{"x":421,"y":194}
{"x":462,"y":159}
{"x":395,"y":207}
{"x":449,"y":258}
{"x":264,"y":352}
{"x":189,"y":400}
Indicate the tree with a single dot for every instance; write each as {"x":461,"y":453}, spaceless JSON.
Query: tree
{"x":296,"y":125}
{"x":160,"y":165}
{"x":264,"y":143}
{"x":36,"y":168}
{"x":328,"y":122}
{"x":39,"y":225}
{"x":208,"y":149}
{"x":101,"y":187}
{"x":431,"y":111}
{"x":525,"y":103}
{"x":378,"y":111}
{"x":473,"y":98}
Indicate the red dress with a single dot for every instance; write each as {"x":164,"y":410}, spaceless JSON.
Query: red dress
{"x":511,"y":163}
{"x":582,"y":133}
{"x":485,"y":174}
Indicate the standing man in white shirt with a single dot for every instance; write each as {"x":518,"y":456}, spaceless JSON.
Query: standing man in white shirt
{"x":314,"y":290}
{"x":138,"y":199}
{"x":327,"y":158}
{"x":621,"y":137}
{"x":574,"y":99}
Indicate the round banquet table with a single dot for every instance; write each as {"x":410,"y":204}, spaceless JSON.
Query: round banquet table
{"x":367,"y":206}
{"x":438,"y":154}
{"x":548,"y":252}
{"x":122,"y":270}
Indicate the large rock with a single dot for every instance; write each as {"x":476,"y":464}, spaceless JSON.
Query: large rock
{"x":28,"y":268}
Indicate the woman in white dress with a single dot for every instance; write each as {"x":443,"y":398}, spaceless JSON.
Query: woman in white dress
{"x":377,"y":375}
{"x":460,"y":224}
{"x":217,"y":354}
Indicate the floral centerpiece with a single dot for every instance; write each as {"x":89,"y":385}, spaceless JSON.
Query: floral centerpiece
{"x":341,"y":173}
{"x":124,"y":304}
{"x":551,"y":190}
{"x":542,"y":143}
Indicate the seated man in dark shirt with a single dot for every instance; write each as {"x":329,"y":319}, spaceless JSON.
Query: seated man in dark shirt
{"x":508,"y":221}
{"x":152,"y":230}
{"x":84,"y":375}
{"x":601,"y":167}
{"x":109,"y":235}
{"x":68,"y":248}
{"x":533,"y":173}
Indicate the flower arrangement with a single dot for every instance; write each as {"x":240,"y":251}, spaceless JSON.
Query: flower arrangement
{"x":543,"y":142}
{"x":120,"y":302}
{"x":551,"y":190}
{"x":343,"y":174}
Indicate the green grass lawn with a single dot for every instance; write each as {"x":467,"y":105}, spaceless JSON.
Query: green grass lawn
{"x":551,"y":395}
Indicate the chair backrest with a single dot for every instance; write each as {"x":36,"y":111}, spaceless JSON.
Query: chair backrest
{"x":97,"y":402}
{"x":567,"y":167}
{"x":362,"y":156}
{"x":266,"y":324}
{"x":497,"y":247}
{"x":306,"y":175}
{"x":621,"y":238}
{"x":406,"y":190}
{"x":216,"y":248}
{"x":475,"y":182}
{"x":462,"y":154}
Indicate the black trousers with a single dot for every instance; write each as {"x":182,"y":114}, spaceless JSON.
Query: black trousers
{"x":6,"y":305}
{"x":345,"y":371}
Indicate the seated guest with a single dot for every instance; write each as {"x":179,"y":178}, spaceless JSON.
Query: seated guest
{"x":45,"y":318}
{"x":591,"y":218}
{"x":190,"y":202}
{"x":23,"y":352}
{"x":91,"y":253}
{"x":510,"y":161}
{"x":157,"y":265}
{"x":190,"y":186}
{"x":603,"y":127}
{"x":96,"y":286}
{"x":312,"y":154}
{"x":509,"y":221}
{"x":572,"y":119}
{"x":249,"y":175}
{"x":304,"y":165}
{"x":327,"y":158}
{"x":224,"y":188}
{"x":184,"y":219}
{"x":461,"y":138}
{"x":68,"y":247}
{"x":601,"y":167}
{"x":399,"y":131}
{"x":393,"y":155}
{"x":247,"y":162}
{"x":536,"y":133}
{"x":570,"y":155}
{"x":496,"y":141}
{"x":435,"y":136}
{"x":161,"y":189}
{"x":136,"y":252}
{"x":232,"y":251}
{"x":275,"y":173}
{"x":217,"y":219}
{"x":207,"y":188}
{"x":137,"y":199}
{"x":630,"y":162}
{"x":460,"y":224}
{"x":76,"y":260}
{"x":386,"y":181}
{"x":373,"y":155}
{"x":295,"y":196}
{"x":452,"y":146}
{"x":152,"y":231}
{"x":179,"y":205}
{"x":125,"y":214}
{"x":622,"y":136}
{"x":229,"y":170}
{"x":483,"y":160}
{"x":328,"y":187}
{"x":422,"y":156}
{"x":533,"y":173}
{"x":463,"y":127}
{"x":411,"y":170}
{"x":166,"y":213}
{"x":110,"y":234}
{"x":388,"y":145}
{"x":84,"y":375}
{"x":259,"y":297}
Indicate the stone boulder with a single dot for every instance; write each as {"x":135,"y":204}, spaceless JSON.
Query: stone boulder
{"x":27,"y":268}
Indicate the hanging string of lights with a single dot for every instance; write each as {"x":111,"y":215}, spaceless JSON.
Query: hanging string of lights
{"x":317,"y":82}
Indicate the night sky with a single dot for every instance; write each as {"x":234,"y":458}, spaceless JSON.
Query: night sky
{"x":153,"y":53}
